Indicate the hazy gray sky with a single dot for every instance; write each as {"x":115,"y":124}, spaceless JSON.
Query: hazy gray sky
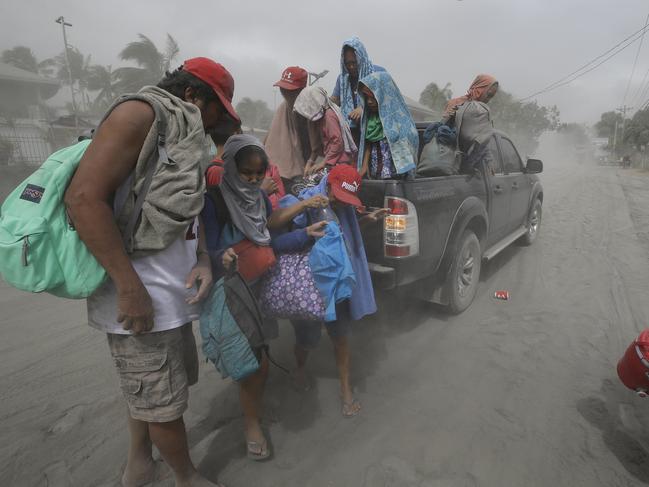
{"x":526,"y":44}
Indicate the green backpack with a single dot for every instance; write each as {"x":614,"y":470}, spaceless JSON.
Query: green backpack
{"x":39,"y":247}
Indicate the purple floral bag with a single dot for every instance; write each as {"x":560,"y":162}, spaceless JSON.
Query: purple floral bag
{"x":289,"y":291}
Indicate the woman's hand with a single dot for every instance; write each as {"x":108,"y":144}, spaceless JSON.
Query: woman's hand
{"x":316,"y":230}
{"x":356,"y":114}
{"x":269,"y":186}
{"x":317,"y":201}
{"x":308,"y":168}
{"x":315,"y":167}
{"x":374,"y":216}
{"x":378,"y":214}
{"x":229,"y":259}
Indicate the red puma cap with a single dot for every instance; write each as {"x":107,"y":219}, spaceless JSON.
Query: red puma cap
{"x":345,"y":182}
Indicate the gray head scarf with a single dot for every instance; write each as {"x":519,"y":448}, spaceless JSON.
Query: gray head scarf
{"x":244,"y":200}
{"x":312,"y":102}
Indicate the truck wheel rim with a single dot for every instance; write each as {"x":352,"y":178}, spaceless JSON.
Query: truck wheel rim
{"x":465,"y":278}
{"x":535,"y":220}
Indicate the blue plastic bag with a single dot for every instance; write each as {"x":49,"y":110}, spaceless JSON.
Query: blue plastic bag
{"x":332,"y":269}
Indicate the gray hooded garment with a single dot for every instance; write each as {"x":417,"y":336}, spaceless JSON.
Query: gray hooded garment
{"x":175,"y":196}
{"x":244,"y":200}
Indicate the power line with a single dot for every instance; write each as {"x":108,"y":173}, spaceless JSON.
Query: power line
{"x":615,"y":50}
{"x":564,"y":83}
{"x":635,"y":62}
{"x":644,"y":105}
{"x":580,"y":72}
{"x":641,"y":89}
{"x":643,"y":94}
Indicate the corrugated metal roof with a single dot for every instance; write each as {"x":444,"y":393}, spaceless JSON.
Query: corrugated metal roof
{"x":9,"y":72}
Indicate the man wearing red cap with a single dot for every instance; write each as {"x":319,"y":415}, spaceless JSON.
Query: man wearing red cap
{"x":341,"y":187}
{"x":149,"y":325}
{"x":289,"y":141}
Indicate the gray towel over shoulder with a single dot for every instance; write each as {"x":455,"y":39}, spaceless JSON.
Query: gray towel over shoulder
{"x":175,"y":196}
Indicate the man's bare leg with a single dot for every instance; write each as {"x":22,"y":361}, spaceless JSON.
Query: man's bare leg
{"x":140,"y":467}
{"x":171,"y":440}
{"x":251,"y":390}
{"x":351,"y":407}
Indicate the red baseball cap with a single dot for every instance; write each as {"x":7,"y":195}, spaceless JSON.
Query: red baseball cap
{"x":293,"y":78}
{"x":345,"y":182}
{"x":215,"y":75}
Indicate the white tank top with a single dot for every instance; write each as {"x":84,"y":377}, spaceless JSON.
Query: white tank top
{"x":164,"y":274}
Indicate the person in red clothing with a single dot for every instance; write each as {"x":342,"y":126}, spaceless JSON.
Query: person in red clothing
{"x":272,"y":184}
{"x":338,"y":145}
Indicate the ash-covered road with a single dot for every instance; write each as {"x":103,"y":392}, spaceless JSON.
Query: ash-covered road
{"x":516,"y":393}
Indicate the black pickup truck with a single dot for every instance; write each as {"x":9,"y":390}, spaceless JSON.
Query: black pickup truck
{"x":440,"y":229}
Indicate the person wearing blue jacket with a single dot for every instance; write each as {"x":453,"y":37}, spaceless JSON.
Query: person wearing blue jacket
{"x":241,"y":210}
{"x":341,"y":188}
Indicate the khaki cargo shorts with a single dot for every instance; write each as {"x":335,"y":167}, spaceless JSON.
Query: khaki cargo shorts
{"x":155,"y":371}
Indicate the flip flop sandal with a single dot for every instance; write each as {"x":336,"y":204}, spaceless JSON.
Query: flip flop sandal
{"x":257,"y":451}
{"x":351,"y":409}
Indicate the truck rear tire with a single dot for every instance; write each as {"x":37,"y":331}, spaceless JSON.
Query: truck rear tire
{"x":464,"y":274}
{"x":533,"y":223}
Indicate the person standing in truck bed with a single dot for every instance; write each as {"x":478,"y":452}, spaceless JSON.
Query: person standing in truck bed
{"x":483,"y":88}
{"x":389,"y":142}
{"x":355,"y":64}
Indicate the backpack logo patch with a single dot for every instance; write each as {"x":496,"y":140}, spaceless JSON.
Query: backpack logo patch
{"x":32,"y":193}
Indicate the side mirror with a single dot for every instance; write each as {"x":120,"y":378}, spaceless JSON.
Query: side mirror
{"x":534,"y":166}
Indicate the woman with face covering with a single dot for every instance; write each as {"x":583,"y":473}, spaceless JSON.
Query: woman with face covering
{"x":250,"y":216}
{"x":483,"y":88}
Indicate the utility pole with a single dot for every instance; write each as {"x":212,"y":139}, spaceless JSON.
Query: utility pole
{"x":623,"y":110}
{"x":314,"y":77}
{"x":65,"y":24}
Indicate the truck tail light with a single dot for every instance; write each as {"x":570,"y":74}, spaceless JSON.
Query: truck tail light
{"x":400,"y":229}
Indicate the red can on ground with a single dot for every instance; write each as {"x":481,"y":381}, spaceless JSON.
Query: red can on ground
{"x":633,"y":367}
{"x":503,"y":295}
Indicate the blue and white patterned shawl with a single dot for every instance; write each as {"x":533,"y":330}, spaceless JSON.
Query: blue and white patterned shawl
{"x":398,"y":126}
{"x":365,"y":67}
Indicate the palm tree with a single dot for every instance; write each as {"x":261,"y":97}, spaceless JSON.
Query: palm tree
{"x":101,"y":79}
{"x":78,"y":74}
{"x":152,"y":63}
{"x":435,"y":97}
{"x":21,"y":57}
